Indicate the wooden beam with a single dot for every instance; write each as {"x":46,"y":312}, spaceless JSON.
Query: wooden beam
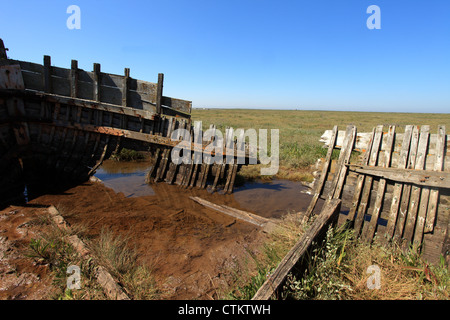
{"x":424,"y":178}
{"x":323,"y":174}
{"x":369,"y":232}
{"x":97,"y":81}
{"x":329,"y":212}
{"x":362,"y":208}
{"x":159,"y":93}
{"x":74,"y":79}
{"x":398,"y":187}
{"x":47,"y":74}
{"x":235,"y":213}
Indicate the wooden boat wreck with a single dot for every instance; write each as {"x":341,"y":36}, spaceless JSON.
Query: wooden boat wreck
{"x":59,"y":124}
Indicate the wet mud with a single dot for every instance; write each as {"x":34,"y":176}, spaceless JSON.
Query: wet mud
{"x":194,"y":252}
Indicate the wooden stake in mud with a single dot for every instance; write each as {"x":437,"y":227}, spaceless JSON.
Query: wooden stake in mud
{"x":74,"y":79}
{"x":159,"y":92}
{"x":344,"y":158}
{"x":216,"y":177}
{"x":206,"y":161}
{"x":154,"y":166}
{"x":400,"y":226}
{"x":97,"y":81}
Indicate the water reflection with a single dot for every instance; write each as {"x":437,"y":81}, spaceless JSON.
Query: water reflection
{"x":268,"y":199}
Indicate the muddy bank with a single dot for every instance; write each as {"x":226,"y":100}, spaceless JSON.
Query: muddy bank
{"x":194,"y":252}
{"x":22,"y":278}
{"x":191,"y":250}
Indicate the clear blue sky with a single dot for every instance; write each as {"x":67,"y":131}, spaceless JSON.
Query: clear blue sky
{"x":253,"y":53}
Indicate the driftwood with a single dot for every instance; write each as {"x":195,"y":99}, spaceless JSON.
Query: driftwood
{"x":266,"y":224}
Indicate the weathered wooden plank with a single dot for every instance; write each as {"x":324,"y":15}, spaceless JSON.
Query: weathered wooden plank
{"x":159,"y":93}
{"x":96,"y":82}
{"x":362,"y":208}
{"x":163,"y":165}
{"x":125,"y":85}
{"x":363,"y":138}
{"x":398,"y":187}
{"x":342,"y":162}
{"x":369,"y":232}
{"x":111,"y":95}
{"x":235,"y":213}
{"x":400,"y":226}
{"x":206,"y":161}
{"x":323,"y":174}
{"x":426,"y":178}
{"x":229,"y":177}
{"x":417,"y":192}
{"x":153,"y":168}
{"x":47,"y":74}
{"x":434,"y":194}
{"x":233,"y":178}
{"x":329,"y":212}
{"x":216,"y":177}
{"x":180,"y":105}
{"x":74,"y":79}
{"x":11,"y":78}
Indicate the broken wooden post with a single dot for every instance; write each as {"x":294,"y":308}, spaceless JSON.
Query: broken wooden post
{"x":125,"y":85}
{"x":47,"y":74}
{"x":330,"y":211}
{"x":159,"y":92}
{"x":74,"y":79}
{"x":97,"y":82}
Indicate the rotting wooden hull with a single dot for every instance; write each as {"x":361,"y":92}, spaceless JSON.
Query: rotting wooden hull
{"x":62,"y":123}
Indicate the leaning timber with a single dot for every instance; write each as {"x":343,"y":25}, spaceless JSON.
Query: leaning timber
{"x":60,"y":124}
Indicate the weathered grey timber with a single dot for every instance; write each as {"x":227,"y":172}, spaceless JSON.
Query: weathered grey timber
{"x":399,"y":189}
{"x":62,"y":123}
